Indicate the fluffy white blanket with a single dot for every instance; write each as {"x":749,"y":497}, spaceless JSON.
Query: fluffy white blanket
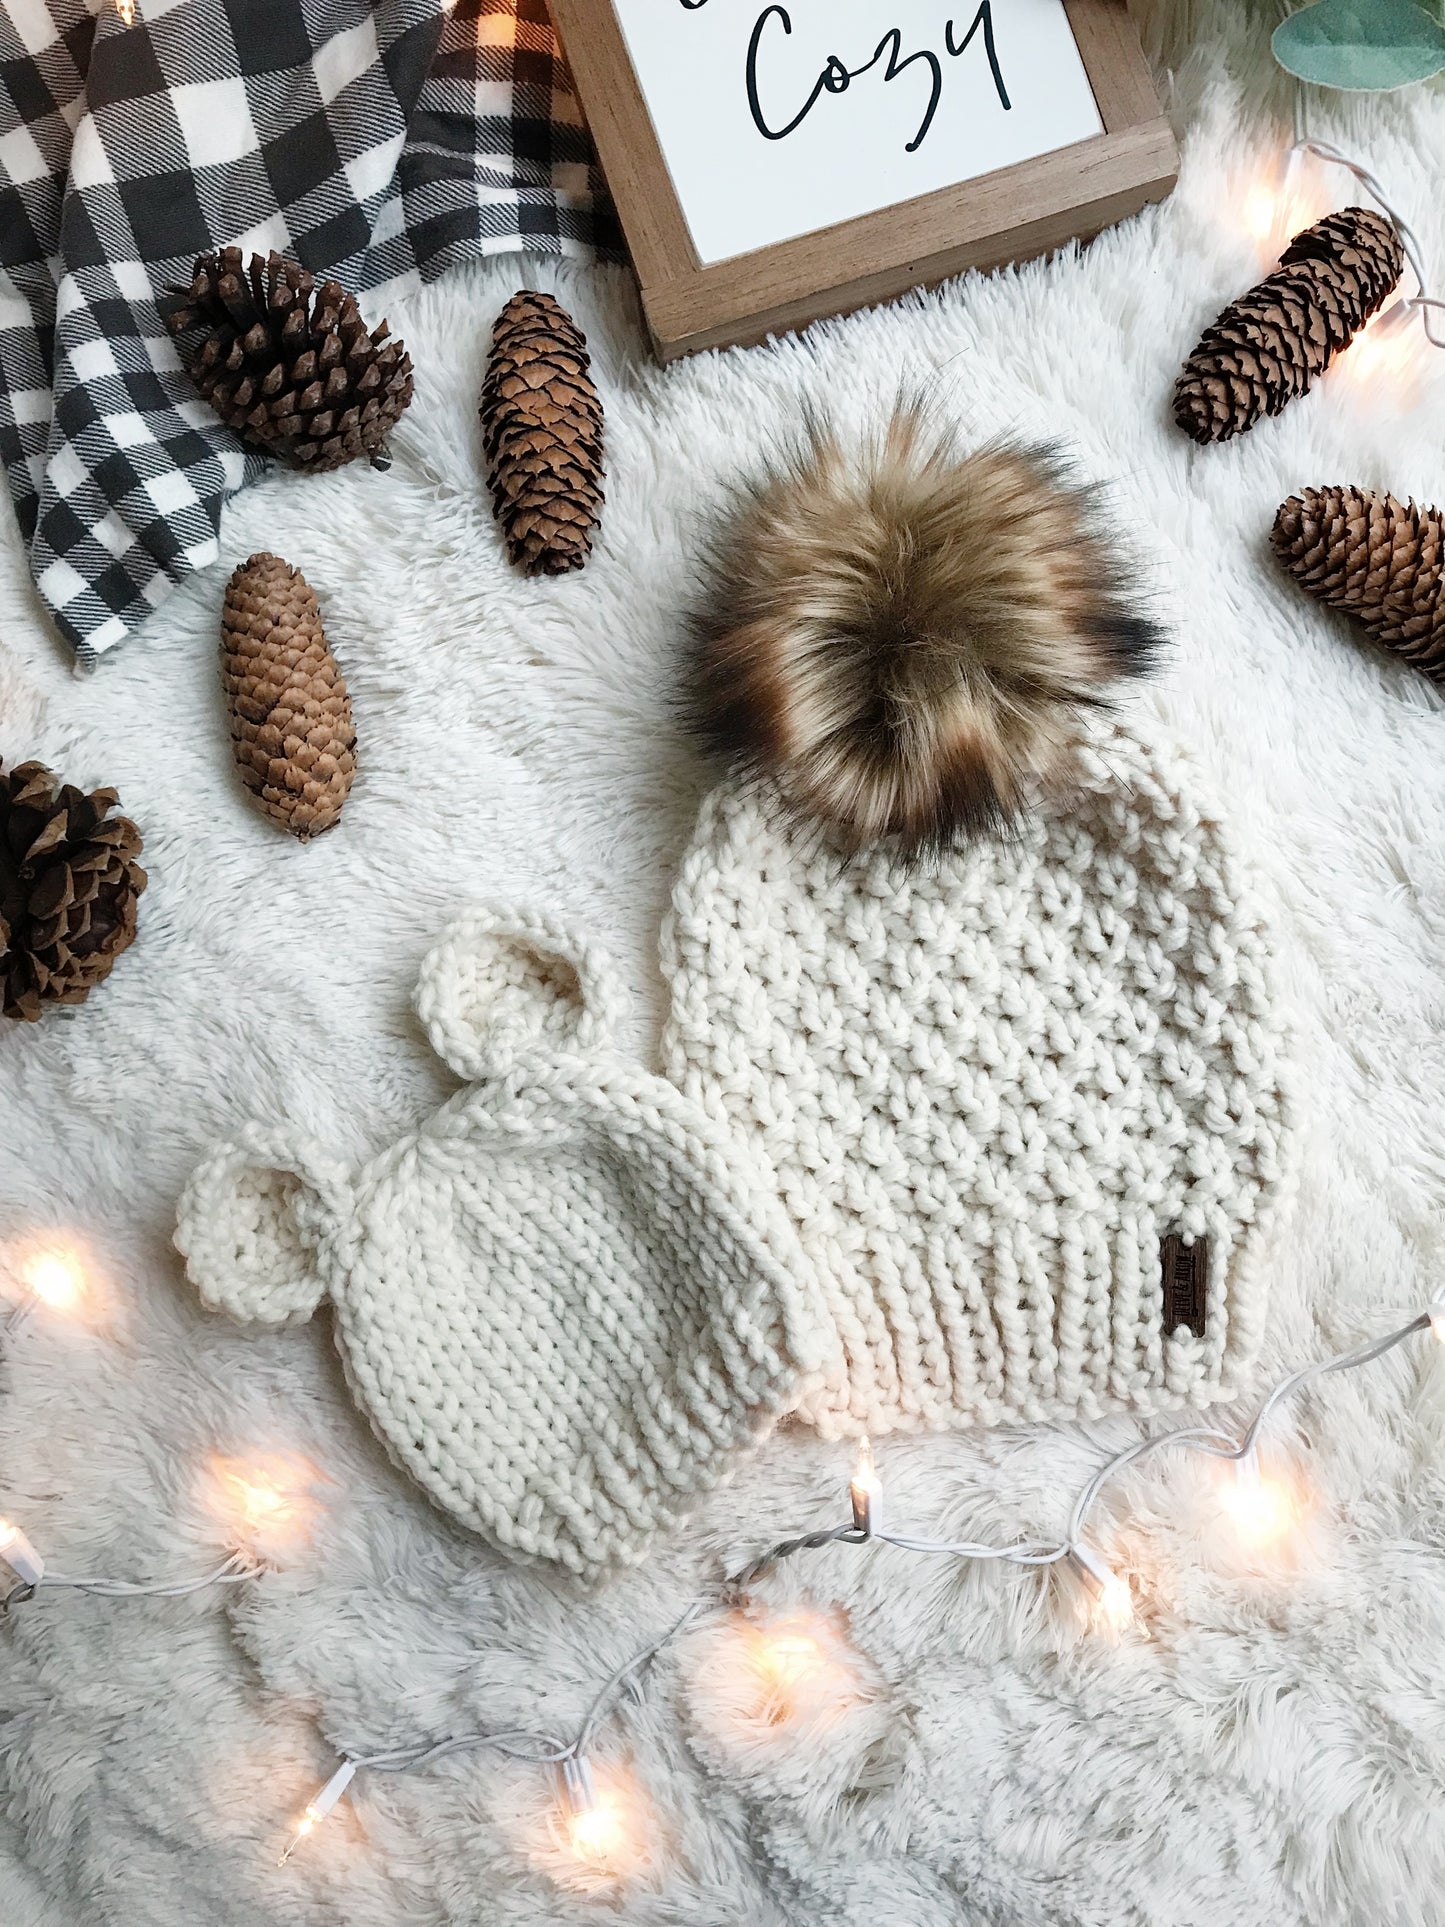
{"x":1274,"y":1751}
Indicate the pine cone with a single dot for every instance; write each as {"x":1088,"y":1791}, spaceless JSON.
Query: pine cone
{"x":542,"y":431}
{"x":68,"y":887}
{"x":1381,"y":560}
{"x":1268,"y":346}
{"x":291,"y":728}
{"x":298,"y":376}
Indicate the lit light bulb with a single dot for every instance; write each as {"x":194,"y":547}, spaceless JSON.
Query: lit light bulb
{"x":55,"y":1279}
{"x":259,"y":1501}
{"x":865,"y":1491}
{"x":1261,"y":1509}
{"x":1115,"y":1609}
{"x":1273,"y":205}
{"x":793,"y":1671}
{"x":18,"y":1553}
{"x":596,"y":1829}
{"x":1384,"y":350}
{"x":1111,"y":1598}
{"x":789,"y":1658}
{"x":303,"y":1829}
{"x":264,"y":1504}
{"x":318,"y":1808}
{"x":763,"y":1674}
{"x":1437,"y":1314}
{"x":126,"y":11}
{"x":599,"y":1833}
{"x":1259,"y":210}
{"x":595,"y":1835}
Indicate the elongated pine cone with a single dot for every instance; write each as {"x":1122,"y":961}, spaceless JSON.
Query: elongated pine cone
{"x":1269,"y":346}
{"x":291,"y":727}
{"x":542,"y":432}
{"x":69,"y":881}
{"x":1380,"y":560}
{"x":290,"y":366}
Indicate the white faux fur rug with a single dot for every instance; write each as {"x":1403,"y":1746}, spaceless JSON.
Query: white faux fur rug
{"x":1275,"y":1751}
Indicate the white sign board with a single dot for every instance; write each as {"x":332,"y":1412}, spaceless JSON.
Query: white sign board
{"x":777,"y":120}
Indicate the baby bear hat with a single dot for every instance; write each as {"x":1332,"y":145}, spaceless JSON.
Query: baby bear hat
{"x":567,"y":1302}
{"x":1025,"y":1103}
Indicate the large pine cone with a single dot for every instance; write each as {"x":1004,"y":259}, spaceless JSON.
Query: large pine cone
{"x":69,"y":881}
{"x":542,"y":432}
{"x":1381,"y":560}
{"x":1269,"y":346}
{"x":291,"y":727}
{"x":290,"y":366}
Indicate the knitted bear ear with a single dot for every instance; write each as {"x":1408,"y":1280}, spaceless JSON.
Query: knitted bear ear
{"x":250,"y":1224}
{"x":502,"y":984}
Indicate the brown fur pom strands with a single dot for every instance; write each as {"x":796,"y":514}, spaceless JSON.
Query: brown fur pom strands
{"x":907,"y":638}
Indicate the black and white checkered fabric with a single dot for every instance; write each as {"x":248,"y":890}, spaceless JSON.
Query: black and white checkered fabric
{"x":380,"y":143}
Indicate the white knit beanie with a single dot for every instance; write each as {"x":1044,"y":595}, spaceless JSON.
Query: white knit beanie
{"x":1025,"y":1105}
{"x":565,"y":1303}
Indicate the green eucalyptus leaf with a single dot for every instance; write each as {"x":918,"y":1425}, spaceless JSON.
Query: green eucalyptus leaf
{"x":1363,"y":45}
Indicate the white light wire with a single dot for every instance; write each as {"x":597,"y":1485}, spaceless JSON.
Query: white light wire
{"x":546,"y":1749}
{"x":236,"y":1568}
{"x":543,"y":1749}
{"x":1425,"y":302}
{"x":540,"y":1749}
{"x":1223,"y":1445}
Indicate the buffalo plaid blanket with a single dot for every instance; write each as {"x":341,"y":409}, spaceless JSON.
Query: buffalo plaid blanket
{"x":380,"y":143}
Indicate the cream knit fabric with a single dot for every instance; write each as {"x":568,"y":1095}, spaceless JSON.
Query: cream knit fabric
{"x":566,"y":1302}
{"x":989,"y":1090}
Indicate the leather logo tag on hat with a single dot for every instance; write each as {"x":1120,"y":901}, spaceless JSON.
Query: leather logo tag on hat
{"x":1185,"y":1270}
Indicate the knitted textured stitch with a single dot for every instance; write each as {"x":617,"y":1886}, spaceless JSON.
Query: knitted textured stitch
{"x":989,"y":1090}
{"x":568,"y":1301}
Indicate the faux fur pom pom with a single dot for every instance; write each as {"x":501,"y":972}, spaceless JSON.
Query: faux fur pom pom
{"x":907,"y":638}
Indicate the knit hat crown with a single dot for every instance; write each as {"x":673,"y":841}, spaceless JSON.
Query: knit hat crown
{"x":567,"y":1301}
{"x":1025,"y":1105}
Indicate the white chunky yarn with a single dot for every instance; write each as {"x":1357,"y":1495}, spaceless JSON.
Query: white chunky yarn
{"x":565,"y":1303}
{"x":988,"y":1089}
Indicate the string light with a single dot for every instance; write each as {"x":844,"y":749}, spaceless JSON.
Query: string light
{"x":865,"y":1491}
{"x":594,"y":1826}
{"x":593,"y":1839}
{"x":1111,"y":1599}
{"x":1422,"y":305}
{"x":789,"y":1654}
{"x":21,"y":1557}
{"x":55,"y":1280}
{"x":48,"y":1274}
{"x":35,"y":1576}
{"x":126,"y":10}
{"x":1287,"y":196}
{"x":598,"y":1838}
{"x":768,"y":1673}
{"x":320,"y":1805}
{"x":266,"y":1495}
{"x":1280,"y":199}
{"x":1261,"y":1509}
{"x":265,"y":1504}
{"x":1384,"y":347}
{"x":600,"y":1833}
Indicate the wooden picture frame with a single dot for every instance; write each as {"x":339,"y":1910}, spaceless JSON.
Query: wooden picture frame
{"x":1011,"y":214}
